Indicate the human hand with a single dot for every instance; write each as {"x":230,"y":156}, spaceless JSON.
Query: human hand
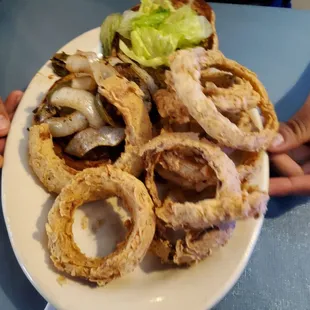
{"x":290,"y":155}
{"x":7,"y":110}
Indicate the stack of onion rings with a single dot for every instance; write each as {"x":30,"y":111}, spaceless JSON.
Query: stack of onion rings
{"x":232,"y":202}
{"x":206,"y":142}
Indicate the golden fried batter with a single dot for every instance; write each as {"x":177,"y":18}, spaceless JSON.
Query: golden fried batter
{"x":185,"y":73}
{"x":231,"y":201}
{"x":190,"y":248}
{"x":127,"y":98}
{"x":49,"y":168}
{"x":228,"y":92}
{"x":95,"y":184}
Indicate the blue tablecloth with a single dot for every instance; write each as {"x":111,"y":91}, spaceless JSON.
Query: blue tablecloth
{"x":273,"y":42}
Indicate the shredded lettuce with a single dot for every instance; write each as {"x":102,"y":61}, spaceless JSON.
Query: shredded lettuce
{"x":107,"y":32}
{"x":155,"y":31}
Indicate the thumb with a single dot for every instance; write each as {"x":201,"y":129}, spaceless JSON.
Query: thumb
{"x":291,"y":135}
{"x":295,"y":132}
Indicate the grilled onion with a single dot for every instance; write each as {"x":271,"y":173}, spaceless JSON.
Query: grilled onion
{"x":147,"y":79}
{"x":88,"y":139}
{"x":83,"y":81}
{"x":80,"y":100}
{"x":67,"y":125}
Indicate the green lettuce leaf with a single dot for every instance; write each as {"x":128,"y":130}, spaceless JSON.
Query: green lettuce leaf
{"x":150,"y":42}
{"x":150,"y":46}
{"x":108,"y":30}
{"x":149,"y":6}
{"x":153,"y":19}
{"x":187,"y":26}
{"x":126,"y":26}
{"x":155,"y":31}
{"x":154,"y":62}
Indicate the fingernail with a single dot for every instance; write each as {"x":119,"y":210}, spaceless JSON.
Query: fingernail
{"x":4,"y":122}
{"x":278,"y":140}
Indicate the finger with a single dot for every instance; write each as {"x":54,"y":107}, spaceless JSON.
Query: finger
{"x":4,"y":120}
{"x":12,"y":101}
{"x":295,"y":132}
{"x":300,"y":154}
{"x":2,"y":145}
{"x":285,"y":165}
{"x":291,"y":135}
{"x":306,"y":167}
{"x":11,"y":115}
{"x":290,"y":186}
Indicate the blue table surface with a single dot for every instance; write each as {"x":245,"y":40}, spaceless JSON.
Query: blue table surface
{"x":275,"y":43}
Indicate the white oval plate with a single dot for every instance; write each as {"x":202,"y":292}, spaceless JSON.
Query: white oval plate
{"x":25,"y":207}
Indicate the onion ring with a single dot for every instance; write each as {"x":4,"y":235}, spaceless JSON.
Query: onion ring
{"x":49,"y":168}
{"x":185,"y":72}
{"x":212,"y":212}
{"x":94,"y":184}
{"x":169,"y":105}
{"x":180,"y":181}
{"x":127,"y":70}
{"x":198,"y":246}
{"x":195,"y":247}
{"x":127,"y":98}
{"x":185,"y":247}
{"x":197,"y":175}
{"x":101,"y":71}
{"x":228,"y":92}
{"x":231,"y":202}
{"x":187,"y":168}
{"x":246,"y":123}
